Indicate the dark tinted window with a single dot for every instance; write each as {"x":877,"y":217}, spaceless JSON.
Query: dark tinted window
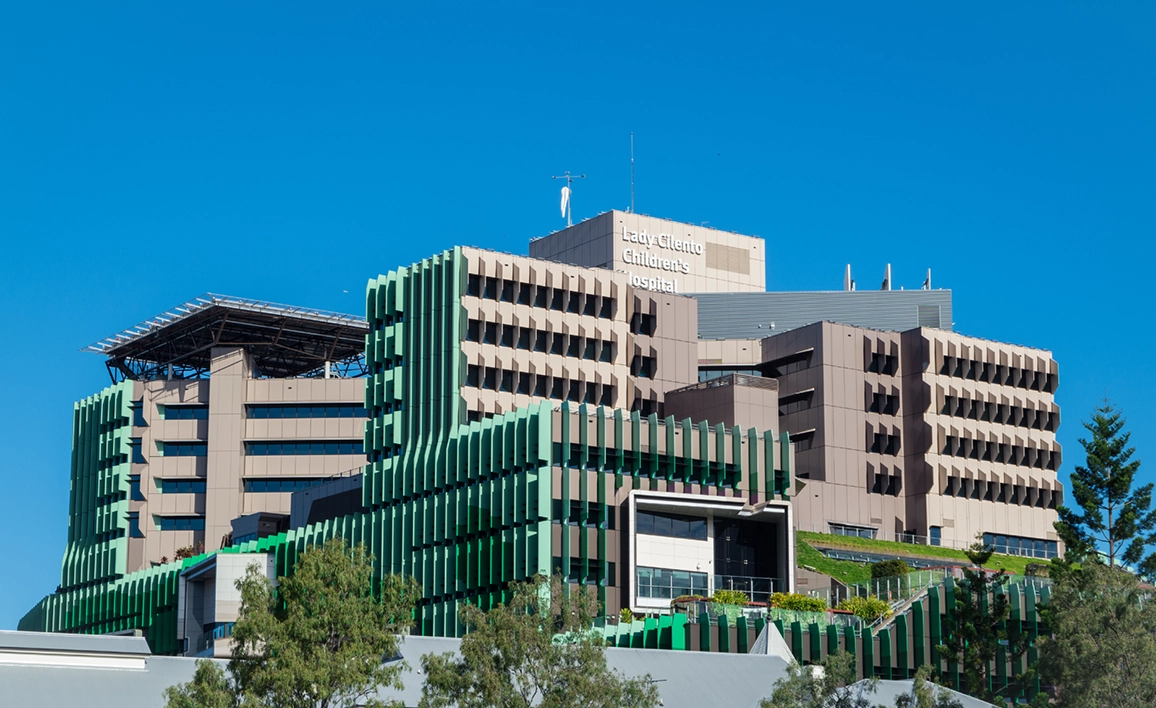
{"x":672,"y":525}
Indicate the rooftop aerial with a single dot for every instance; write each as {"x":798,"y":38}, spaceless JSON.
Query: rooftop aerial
{"x":283,"y":341}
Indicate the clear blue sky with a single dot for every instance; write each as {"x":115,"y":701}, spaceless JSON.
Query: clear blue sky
{"x":150,"y":152}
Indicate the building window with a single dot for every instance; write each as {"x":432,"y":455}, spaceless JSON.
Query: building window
{"x":474,"y":286}
{"x":607,"y":311}
{"x":323,"y":410}
{"x":275,"y":486}
{"x":182,"y":486}
{"x":643,"y":324}
{"x":180,"y":523}
{"x":138,"y":420}
{"x":663,"y":584}
{"x":657,"y":523}
{"x":134,"y":525}
{"x":574,"y":303}
{"x":884,"y":403}
{"x":644,"y":366}
{"x":134,"y":492}
{"x":473,"y":330}
{"x":849,"y":530}
{"x":607,"y":396}
{"x":593,"y":514}
{"x":184,"y":449}
{"x":1020,"y":546}
{"x":184,"y":412}
{"x":884,"y":444}
{"x":936,"y":535}
{"x":886,"y":364}
{"x":137,"y":452}
{"x":607,"y":353}
{"x":316,"y":447}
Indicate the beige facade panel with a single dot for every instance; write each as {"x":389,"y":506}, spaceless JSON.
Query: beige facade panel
{"x":206,"y":484}
{"x":925,"y":432}
{"x":539,"y":330}
{"x":659,"y":254}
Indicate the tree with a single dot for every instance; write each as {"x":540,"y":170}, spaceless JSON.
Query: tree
{"x":977,"y":629}
{"x":890,"y":568}
{"x":925,"y":694}
{"x":1108,"y":511}
{"x":319,"y":640}
{"x":1102,"y":652}
{"x":538,"y":649}
{"x":831,"y":686}
{"x":210,"y":688}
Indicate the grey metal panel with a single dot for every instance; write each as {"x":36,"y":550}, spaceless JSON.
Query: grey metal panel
{"x":684,"y":678}
{"x":757,"y":315}
{"x":73,"y":643}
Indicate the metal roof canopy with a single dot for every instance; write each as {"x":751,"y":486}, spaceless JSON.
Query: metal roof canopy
{"x":283,"y":341}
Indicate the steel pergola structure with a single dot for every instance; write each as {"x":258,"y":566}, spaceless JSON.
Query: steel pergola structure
{"x":283,"y":341}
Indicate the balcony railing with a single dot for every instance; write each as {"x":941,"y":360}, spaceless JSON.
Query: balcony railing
{"x":756,"y":589}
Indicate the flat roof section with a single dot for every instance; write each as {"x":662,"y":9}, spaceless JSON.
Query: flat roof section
{"x":759,"y":315}
{"x":284,"y":341}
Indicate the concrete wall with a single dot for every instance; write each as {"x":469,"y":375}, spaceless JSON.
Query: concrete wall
{"x":225,"y":467}
{"x":867,"y":383}
{"x":659,"y":254}
{"x":670,"y":347}
{"x":745,"y":401}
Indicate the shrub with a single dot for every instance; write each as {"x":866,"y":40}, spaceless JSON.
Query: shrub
{"x":1037,"y":569}
{"x":730,"y":597}
{"x":889,"y":569}
{"x":681,"y":599}
{"x":797,"y":602}
{"x":868,"y":608}
{"x":625,"y":616}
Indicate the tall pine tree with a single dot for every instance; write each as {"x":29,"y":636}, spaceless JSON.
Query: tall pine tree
{"x":977,"y":633}
{"x":1108,"y":512}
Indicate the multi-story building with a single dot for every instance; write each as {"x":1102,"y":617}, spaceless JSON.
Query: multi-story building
{"x":219,"y":408}
{"x":522,"y":415}
{"x":924,"y":434}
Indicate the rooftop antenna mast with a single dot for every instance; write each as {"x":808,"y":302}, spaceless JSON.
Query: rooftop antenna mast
{"x":566,"y":194}
{"x":632,"y":172}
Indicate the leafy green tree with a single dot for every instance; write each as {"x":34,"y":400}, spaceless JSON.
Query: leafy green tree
{"x":889,"y":568}
{"x":1102,"y":652}
{"x":977,"y":628}
{"x":1108,"y":511}
{"x":868,"y":608}
{"x":830,"y":687}
{"x":210,"y":688}
{"x":319,"y":640}
{"x":536,"y":650}
{"x":925,"y":694}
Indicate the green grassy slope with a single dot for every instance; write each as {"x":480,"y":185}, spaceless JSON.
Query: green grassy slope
{"x":1012,"y":564}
